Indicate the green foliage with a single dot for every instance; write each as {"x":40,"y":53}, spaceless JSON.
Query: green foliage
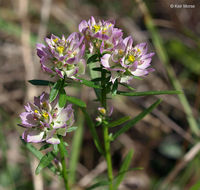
{"x":98,"y":184}
{"x":45,"y":146}
{"x":196,"y":186}
{"x":93,"y":131}
{"x":187,"y":56}
{"x":114,"y":88}
{"x":39,"y":155}
{"x":71,"y":129}
{"x":41,"y":82}
{"x":147,"y":93}
{"x":76,"y":148}
{"x":55,"y":89}
{"x":118,"y":122}
{"x":44,"y":162}
{"x":76,"y":101}
{"x":123,"y":169}
{"x":62,"y":98}
{"x":88,"y":83}
{"x":136,"y":119}
{"x":92,"y":59}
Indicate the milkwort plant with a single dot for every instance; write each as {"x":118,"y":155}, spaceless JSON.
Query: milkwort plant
{"x":50,"y":117}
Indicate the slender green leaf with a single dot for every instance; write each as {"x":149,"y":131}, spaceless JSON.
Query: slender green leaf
{"x":123,"y":169}
{"x":92,"y":59}
{"x":127,"y":86}
{"x":40,"y":82}
{"x":96,"y":79}
{"x":136,"y":119}
{"x":62,"y":98}
{"x":76,"y":101}
{"x":93,"y":131}
{"x":118,"y":122}
{"x":88,"y":83}
{"x":98,"y":184}
{"x":114,"y":88}
{"x":65,"y":143}
{"x":147,"y":93}
{"x":97,"y":69}
{"x":44,"y":162}
{"x":38,"y":155}
{"x":55,"y":89}
{"x":76,"y":148}
{"x":55,"y":148}
{"x":62,"y":147}
{"x":71,"y":129}
{"x":45,"y":147}
{"x":136,"y":77}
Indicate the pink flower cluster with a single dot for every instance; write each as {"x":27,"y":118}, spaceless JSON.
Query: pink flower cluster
{"x":65,"y":57}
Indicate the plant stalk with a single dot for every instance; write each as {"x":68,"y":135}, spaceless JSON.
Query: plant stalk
{"x":106,"y":133}
{"x":64,"y":167}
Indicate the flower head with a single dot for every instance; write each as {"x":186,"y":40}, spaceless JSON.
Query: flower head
{"x":43,"y":121}
{"x":63,"y":56}
{"x":100,"y":36}
{"x":126,"y":61}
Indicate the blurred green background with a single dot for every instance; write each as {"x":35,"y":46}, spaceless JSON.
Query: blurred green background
{"x":165,"y":143}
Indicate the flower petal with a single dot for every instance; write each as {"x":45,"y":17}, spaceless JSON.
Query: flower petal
{"x":34,"y":136}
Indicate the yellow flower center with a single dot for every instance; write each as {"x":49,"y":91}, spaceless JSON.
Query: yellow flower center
{"x":102,"y":111}
{"x":121,"y":52}
{"x":55,"y":40}
{"x":131,"y":58}
{"x":96,"y":28}
{"x":44,"y":104}
{"x":60,"y":49}
{"x":138,"y":51}
{"x":36,"y":111}
{"x":45,"y":115}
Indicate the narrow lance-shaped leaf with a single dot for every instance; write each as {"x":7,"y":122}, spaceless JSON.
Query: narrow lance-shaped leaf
{"x":114,"y":88}
{"x":118,"y":122}
{"x":76,"y":101}
{"x":98,"y":184}
{"x":62,"y":98}
{"x":45,"y":146}
{"x":92,"y":59}
{"x":71,"y":129}
{"x":136,"y":119}
{"x":44,"y":162}
{"x":40,"y":82}
{"x":123,"y":169}
{"x":147,"y":93}
{"x":55,"y":89}
{"x":93,"y":131}
{"x":88,"y":83}
{"x":38,"y":155}
{"x":127,"y":86}
{"x":76,"y":148}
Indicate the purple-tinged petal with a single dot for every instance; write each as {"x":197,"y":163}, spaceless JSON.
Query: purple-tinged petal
{"x":28,"y":119}
{"x":33,"y":136}
{"x":83,"y":26}
{"x":59,"y":73}
{"x":53,"y":140}
{"x":139,"y":72}
{"x":105,"y":60}
{"x":128,"y":41}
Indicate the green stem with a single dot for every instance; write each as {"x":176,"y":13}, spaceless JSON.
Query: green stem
{"x":64,"y":167}
{"x":106,"y":133}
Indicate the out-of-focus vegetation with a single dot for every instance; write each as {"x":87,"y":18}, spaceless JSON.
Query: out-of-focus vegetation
{"x":166,"y":143}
